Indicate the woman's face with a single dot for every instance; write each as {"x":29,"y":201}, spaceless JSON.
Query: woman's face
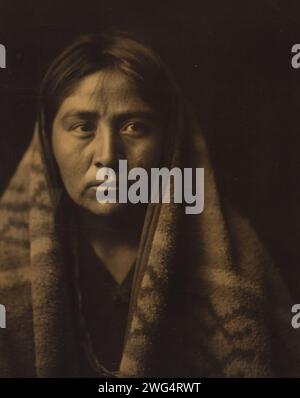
{"x":102,"y":121}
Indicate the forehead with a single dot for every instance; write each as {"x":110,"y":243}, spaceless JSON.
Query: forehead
{"x":105,"y":92}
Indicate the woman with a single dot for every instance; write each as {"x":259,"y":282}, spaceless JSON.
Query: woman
{"x":129,"y":290}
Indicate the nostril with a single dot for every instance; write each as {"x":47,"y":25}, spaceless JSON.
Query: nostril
{"x":98,"y":164}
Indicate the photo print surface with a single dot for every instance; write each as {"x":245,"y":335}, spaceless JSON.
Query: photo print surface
{"x":149,"y":211}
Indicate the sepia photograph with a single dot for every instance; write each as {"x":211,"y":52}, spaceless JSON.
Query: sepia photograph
{"x":149,"y":181}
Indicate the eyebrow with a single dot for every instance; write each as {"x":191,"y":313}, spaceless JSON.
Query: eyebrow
{"x":119,"y":117}
{"x":80,"y":114}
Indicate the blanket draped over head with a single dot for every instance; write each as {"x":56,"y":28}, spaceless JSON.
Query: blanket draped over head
{"x":206,"y":300}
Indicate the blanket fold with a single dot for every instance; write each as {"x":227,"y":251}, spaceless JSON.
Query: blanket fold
{"x":206,"y":300}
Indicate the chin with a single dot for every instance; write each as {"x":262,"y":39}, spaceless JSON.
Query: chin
{"x":106,"y":209}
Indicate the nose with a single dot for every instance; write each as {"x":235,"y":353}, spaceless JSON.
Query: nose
{"x":105,"y":148}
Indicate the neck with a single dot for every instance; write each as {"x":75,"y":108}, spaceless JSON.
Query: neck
{"x":115,"y":240}
{"x":112,"y":231}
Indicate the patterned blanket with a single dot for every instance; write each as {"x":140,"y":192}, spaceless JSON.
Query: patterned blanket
{"x":206,"y":299}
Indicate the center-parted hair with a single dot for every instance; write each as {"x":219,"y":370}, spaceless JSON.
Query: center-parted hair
{"x":111,"y":50}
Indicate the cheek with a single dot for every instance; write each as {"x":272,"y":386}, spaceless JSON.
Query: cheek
{"x":68,"y":157}
{"x":146,"y":153}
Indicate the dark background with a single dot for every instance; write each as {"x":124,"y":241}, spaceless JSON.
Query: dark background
{"x":232,"y":61}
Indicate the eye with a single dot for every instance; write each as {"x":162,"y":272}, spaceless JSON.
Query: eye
{"x":84,"y":128}
{"x":134,"y":128}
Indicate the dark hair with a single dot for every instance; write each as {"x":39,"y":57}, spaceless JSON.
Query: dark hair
{"x":92,"y":53}
{"x":110,"y":50}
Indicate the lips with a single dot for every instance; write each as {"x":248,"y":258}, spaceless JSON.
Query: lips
{"x":97,"y":184}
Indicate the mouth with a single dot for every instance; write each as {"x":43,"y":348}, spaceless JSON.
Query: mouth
{"x":98,"y":184}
